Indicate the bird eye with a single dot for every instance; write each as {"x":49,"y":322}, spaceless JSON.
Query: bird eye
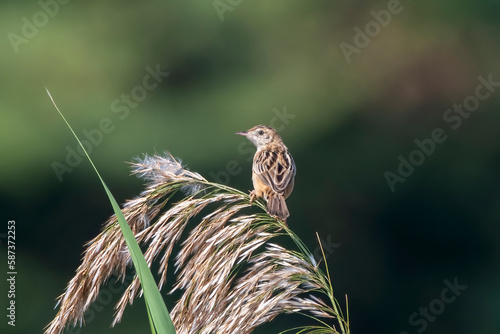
{"x":260,"y":132}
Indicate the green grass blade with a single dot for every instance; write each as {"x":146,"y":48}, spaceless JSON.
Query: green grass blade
{"x":157,"y":311}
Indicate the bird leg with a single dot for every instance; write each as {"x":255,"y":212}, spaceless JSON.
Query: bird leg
{"x":253,"y":195}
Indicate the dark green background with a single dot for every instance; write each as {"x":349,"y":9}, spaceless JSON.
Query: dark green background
{"x":351,"y":122}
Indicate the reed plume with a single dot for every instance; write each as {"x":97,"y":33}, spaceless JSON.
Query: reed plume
{"x":233,"y":277}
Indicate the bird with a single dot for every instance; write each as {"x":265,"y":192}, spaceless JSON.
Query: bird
{"x":273,"y":170}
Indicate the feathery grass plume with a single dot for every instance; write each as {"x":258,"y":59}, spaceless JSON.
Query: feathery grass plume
{"x":232,"y":277}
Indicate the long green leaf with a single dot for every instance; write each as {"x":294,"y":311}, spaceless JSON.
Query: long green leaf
{"x":157,"y":311}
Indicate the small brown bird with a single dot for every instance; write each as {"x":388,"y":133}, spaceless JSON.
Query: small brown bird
{"x":273,"y":170}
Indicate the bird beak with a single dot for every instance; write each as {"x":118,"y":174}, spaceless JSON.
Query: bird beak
{"x":244,"y":133}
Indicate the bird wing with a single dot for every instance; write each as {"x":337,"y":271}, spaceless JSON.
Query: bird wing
{"x":275,"y":168}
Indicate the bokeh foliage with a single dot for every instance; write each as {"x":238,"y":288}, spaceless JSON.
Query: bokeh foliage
{"x":351,"y":122}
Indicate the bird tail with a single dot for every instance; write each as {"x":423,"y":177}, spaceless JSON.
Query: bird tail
{"x":276,"y":206}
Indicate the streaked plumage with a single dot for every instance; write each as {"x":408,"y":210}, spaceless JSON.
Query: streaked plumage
{"x":273,"y":170}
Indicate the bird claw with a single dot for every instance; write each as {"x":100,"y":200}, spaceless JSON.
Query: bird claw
{"x":252,"y":196}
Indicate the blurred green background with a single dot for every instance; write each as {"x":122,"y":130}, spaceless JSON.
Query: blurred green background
{"x":232,"y":65}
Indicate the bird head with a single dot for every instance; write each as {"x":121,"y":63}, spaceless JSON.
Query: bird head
{"x":262,"y":135}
